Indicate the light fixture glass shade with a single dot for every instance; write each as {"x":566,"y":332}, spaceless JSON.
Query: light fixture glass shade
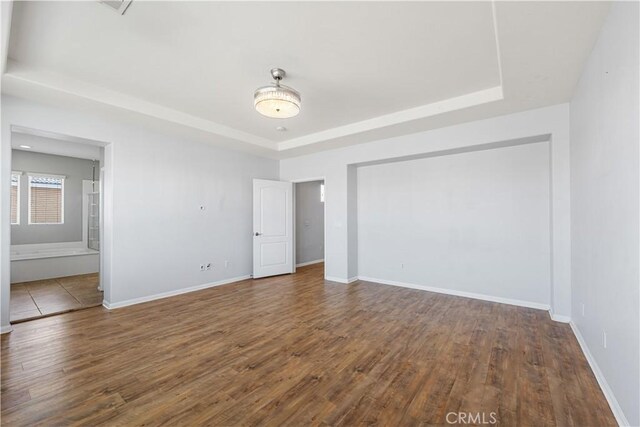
{"x":278,"y":102}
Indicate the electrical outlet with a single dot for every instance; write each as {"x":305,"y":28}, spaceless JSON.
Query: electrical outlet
{"x":582,"y":310}
{"x":202,"y":267}
{"x":209,"y":265}
{"x":226,"y":264}
{"x":604,"y":339}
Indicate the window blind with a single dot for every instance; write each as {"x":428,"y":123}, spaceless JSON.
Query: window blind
{"x":46,"y":200}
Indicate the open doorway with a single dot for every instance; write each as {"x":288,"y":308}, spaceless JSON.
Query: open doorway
{"x":55,"y":226}
{"x":309,"y":225}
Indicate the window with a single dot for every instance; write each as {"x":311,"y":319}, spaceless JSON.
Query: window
{"x":46,"y":199}
{"x":322,"y":193}
{"x":15,"y":198}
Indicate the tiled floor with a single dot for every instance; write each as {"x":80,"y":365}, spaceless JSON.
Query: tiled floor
{"x":41,"y":298}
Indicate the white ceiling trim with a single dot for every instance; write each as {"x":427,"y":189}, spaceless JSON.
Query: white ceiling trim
{"x":5,"y":23}
{"x":18,"y":74}
{"x":497,"y":37}
{"x":452,"y":104}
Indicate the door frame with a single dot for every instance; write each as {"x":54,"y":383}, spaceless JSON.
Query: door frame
{"x":324,"y":217}
{"x":106,"y":209}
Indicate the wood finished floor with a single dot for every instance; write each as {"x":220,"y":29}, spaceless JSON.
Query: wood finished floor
{"x":296,"y":350}
{"x":40,"y":298}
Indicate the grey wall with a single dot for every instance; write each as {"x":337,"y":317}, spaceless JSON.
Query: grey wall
{"x":474,"y":222}
{"x":604,"y":207}
{"x":352,"y":220}
{"x":309,"y":222}
{"x":75,"y":170}
{"x":154,"y":187}
{"x":333,"y":166}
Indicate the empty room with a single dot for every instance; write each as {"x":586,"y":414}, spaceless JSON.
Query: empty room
{"x":231,"y":213}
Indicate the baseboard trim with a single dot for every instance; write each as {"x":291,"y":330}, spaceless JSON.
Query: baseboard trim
{"x":602,"y":382}
{"x":464,"y":294}
{"x":341,"y":280}
{"x":559,"y":317}
{"x":111,"y":306}
{"x":5,"y":329}
{"x":317,"y":261}
{"x":335,"y":279}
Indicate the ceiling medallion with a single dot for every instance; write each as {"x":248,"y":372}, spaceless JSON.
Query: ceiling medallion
{"x":277,"y":101}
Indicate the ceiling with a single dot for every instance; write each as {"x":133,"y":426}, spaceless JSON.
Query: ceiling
{"x":366,"y":70}
{"x":53,"y":144}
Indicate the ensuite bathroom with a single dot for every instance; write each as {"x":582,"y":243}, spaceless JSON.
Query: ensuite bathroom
{"x":55,"y":226}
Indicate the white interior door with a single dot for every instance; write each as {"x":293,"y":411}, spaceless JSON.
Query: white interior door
{"x":272,"y":228}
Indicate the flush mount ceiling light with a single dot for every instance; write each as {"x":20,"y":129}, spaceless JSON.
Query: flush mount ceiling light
{"x":277,"y":101}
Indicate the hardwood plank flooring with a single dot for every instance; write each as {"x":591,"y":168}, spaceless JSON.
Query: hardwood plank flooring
{"x":298,"y":350}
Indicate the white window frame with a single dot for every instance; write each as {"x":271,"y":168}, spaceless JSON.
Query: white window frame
{"x":45,"y":175}
{"x":19,"y":175}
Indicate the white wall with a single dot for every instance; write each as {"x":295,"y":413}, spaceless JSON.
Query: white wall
{"x":159,"y":234}
{"x":475,"y":222}
{"x":309,"y":222}
{"x":551,"y":123}
{"x":605,"y":213}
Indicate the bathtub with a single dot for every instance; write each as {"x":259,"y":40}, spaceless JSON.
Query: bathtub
{"x":50,"y":260}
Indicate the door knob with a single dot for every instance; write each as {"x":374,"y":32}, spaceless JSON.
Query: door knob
{"x":258,"y":234}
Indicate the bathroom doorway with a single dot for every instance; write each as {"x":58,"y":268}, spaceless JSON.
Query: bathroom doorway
{"x":56,"y":206}
{"x":309,"y":225}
